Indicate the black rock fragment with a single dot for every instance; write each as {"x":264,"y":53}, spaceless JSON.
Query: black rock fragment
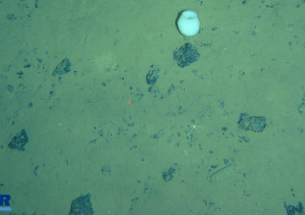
{"x":226,"y":161}
{"x":28,"y":65}
{"x":167,"y":176}
{"x":11,"y":17}
{"x":62,"y":68}
{"x":19,"y":141}
{"x":186,"y":55}
{"x":10,"y":88}
{"x":291,"y":210}
{"x":101,"y":132}
{"x":152,"y":75}
{"x":106,"y":170}
{"x":302,"y":105}
{"x":81,"y":206}
{"x":252,"y":123}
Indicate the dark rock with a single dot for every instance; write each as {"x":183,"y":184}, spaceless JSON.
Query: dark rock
{"x":62,"y":68}
{"x":106,"y":170}
{"x":81,"y":206}
{"x":152,"y":75}
{"x":167,"y":176}
{"x":186,"y":55}
{"x":252,"y":123}
{"x":19,"y":141}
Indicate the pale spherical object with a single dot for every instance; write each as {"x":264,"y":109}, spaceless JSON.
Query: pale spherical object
{"x":188,"y":23}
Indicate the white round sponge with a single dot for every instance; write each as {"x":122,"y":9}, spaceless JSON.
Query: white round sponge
{"x":188,"y":23}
